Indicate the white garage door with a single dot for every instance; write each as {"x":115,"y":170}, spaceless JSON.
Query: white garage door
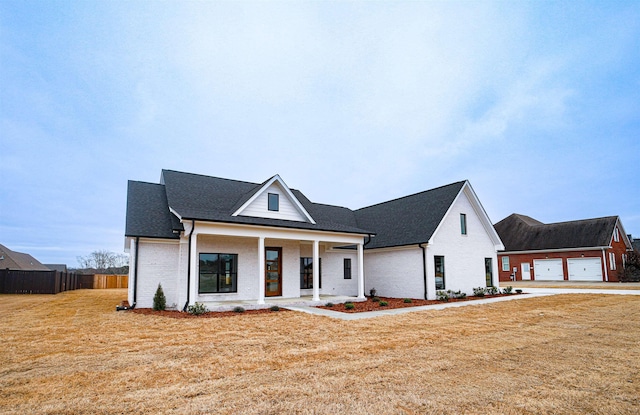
{"x":548,"y":269}
{"x":585,"y":269}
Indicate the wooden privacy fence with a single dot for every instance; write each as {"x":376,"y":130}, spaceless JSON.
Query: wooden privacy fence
{"x":102,"y":281}
{"x":36,"y":282}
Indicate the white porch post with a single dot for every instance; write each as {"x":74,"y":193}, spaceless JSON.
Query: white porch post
{"x":261,"y":270}
{"x":316,"y":270}
{"x":194,"y":267}
{"x":360,"y":271}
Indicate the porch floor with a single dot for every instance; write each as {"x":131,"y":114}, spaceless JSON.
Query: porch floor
{"x":303,"y":301}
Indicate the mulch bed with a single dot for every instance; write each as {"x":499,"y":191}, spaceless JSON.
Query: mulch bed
{"x":359,"y":307}
{"x":371,"y":305}
{"x":210,"y":314}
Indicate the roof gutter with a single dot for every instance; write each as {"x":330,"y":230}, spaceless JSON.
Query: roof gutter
{"x":424,"y":268}
{"x":193,"y":227}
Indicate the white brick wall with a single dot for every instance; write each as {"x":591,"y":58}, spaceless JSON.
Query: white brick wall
{"x":399,"y":272}
{"x":157,"y":264}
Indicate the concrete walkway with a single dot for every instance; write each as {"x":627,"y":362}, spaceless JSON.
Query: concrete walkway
{"x":527,"y":293}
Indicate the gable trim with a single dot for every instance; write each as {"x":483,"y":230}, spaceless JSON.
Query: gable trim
{"x":287,"y":191}
{"x":480,"y":212}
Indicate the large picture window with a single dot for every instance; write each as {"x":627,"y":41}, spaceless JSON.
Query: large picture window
{"x":439,"y":265}
{"x":306,"y":273}
{"x":218,"y":273}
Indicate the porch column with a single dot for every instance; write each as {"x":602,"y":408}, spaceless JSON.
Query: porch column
{"x":193,"y":275}
{"x":261,"y":270}
{"x":360,"y":271}
{"x":316,"y":270}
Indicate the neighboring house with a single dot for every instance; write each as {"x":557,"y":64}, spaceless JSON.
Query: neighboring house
{"x":581,"y":250}
{"x":214,"y":240}
{"x":57,"y":267}
{"x":635,"y":243}
{"x":17,"y":261}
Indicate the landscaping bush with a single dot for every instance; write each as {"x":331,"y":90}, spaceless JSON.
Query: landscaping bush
{"x":442,"y":296}
{"x":159,"y":300}
{"x":383,"y":303}
{"x":456,"y":294}
{"x":507,"y":290}
{"x":519,"y":291}
{"x":329,"y":305}
{"x":631,"y":270}
{"x":274,"y":308}
{"x":197,"y":309}
{"x":349,"y":306}
{"x":375,"y":299}
{"x":238,"y":309}
{"x":492,"y":290}
{"x":479,"y":292}
{"x":408,"y":300}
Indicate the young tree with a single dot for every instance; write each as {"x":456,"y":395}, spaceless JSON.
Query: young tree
{"x":159,"y":300}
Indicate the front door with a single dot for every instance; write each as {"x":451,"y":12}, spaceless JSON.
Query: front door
{"x":273,"y":272}
{"x":526,"y":271}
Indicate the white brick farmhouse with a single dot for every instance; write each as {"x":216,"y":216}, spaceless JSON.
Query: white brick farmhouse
{"x":214,"y":240}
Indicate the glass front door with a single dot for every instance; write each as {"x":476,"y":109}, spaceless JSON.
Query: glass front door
{"x":273,"y":272}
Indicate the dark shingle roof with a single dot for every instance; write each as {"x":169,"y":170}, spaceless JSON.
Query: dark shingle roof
{"x":19,"y":261}
{"x":522,"y":233}
{"x":408,"y":220}
{"x":147,"y":211}
{"x":404,"y":221}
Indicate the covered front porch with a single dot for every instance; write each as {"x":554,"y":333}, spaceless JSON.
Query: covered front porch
{"x":265,"y":266}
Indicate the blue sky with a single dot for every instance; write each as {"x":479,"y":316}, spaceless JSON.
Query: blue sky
{"x":537,"y":104}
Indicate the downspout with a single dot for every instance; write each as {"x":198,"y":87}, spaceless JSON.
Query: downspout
{"x":135,"y":274}
{"x":193,"y":227}
{"x":424,"y":268}
{"x":604,"y":263}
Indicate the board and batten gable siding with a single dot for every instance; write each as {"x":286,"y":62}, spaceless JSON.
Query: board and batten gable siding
{"x":158,"y":263}
{"x":464,"y":254}
{"x":287,"y":210}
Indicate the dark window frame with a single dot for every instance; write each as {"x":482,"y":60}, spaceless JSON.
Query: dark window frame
{"x":273,"y":202}
{"x":463,"y":223}
{"x":218,"y":270}
{"x":306,"y":273}
{"x":488,"y":270}
{"x":436,"y":259}
{"x":347,"y":268}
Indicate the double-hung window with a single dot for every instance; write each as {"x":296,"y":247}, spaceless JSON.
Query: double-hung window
{"x":306,"y":273}
{"x":505,"y":263}
{"x":218,"y":273}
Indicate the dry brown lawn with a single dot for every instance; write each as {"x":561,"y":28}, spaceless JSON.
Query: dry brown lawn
{"x":72,"y":353}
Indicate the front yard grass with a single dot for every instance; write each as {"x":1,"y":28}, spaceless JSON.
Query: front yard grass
{"x":73,"y":353}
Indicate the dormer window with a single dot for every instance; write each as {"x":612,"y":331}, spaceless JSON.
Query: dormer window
{"x":274,"y":202}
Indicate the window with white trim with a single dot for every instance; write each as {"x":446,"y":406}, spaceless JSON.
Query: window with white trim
{"x":505,"y":264}
{"x":616,"y":235}
{"x":463,"y":223}
{"x":612,"y":261}
{"x":274,"y":202}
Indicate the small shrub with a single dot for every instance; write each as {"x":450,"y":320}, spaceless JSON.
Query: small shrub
{"x":372,"y":292}
{"x":238,"y":309}
{"x":375,"y":299}
{"x":383,"y":303}
{"x":456,"y":294}
{"x":329,"y":305}
{"x":408,"y":300}
{"x":159,"y":300}
{"x":197,"y":309}
{"x":519,"y":291}
{"x":492,"y":290}
{"x":507,"y":290}
{"x":349,"y":306}
{"x":479,"y":292}
{"x":442,"y":296}
{"x":274,"y":308}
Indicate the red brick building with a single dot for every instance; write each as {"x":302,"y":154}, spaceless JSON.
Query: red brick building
{"x":581,"y":250}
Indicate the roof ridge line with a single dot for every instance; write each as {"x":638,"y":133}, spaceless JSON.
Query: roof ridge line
{"x":411,"y":195}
